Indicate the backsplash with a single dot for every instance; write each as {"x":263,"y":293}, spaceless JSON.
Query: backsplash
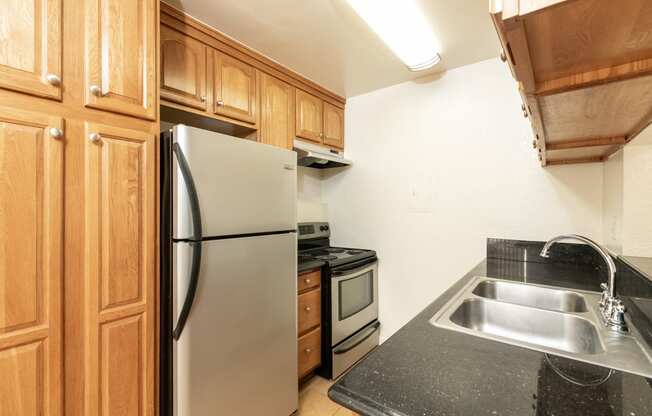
{"x":310,"y":206}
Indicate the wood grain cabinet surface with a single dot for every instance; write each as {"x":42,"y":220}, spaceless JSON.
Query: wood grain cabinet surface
{"x":276,"y":112}
{"x":183,"y":69}
{"x":31,"y":47}
{"x":31,"y":261}
{"x":333,"y":126}
{"x":309,"y":120}
{"x":309,"y":321}
{"x":234,"y":88}
{"x":120,"y":307}
{"x":120,"y":56}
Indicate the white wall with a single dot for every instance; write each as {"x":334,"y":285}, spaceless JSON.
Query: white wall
{"x":439,"y":166}
{"x":627,"y":207}
{"x":310,"y":204}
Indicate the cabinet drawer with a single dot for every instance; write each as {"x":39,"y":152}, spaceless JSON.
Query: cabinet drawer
{"x":309,"y":352}
{"x":309,"y":280}
{"x":309,"y":312}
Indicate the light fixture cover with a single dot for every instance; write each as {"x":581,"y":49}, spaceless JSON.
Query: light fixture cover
{"x":403,"y":27}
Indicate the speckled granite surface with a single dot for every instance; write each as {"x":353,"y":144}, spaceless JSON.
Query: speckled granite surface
{"x":425,"y":371}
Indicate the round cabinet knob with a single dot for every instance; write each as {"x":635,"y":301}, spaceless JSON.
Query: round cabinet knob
{"x":94,"y":138}
{"x":503,"y":57}
{"x":219,"y":103}
{"x":53,"y":79}
{"x":95,"y":90}
{"x":308,"y":308}
{"x":55,"y":133}
{"x":307,"y":281}
{"x":203,"y":98}
{"x":308,"y":350}
{"x":534,"y":144}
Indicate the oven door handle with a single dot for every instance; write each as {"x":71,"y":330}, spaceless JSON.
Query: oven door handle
{"x":365,"y":334}
{"x":353,"y":267}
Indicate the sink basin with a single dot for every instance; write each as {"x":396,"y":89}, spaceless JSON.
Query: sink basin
{"x":536,"y":296}
{"x":563,"y":332}
{"x":563,"y":322}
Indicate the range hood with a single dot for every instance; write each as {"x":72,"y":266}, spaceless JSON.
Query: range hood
{"x":314,"y":156}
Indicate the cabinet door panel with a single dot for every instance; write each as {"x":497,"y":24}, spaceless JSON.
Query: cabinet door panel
{"x":183,"y":69}
{"x":31,"y":231}
{"x":333,"y":126}
{"x":30,"y":46}
{"x":120,"y":303}
{"x":235,"y":88}
{"x":121,"y":56}
{"x":276,"y":112}
{"x":309,"y":116}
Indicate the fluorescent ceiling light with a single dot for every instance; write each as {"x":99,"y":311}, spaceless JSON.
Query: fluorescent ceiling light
{"x":403,"y":27}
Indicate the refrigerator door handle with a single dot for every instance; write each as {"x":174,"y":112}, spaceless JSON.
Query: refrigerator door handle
{"x":195,"y":245}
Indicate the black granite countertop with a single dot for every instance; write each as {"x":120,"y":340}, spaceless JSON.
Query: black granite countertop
{"x":309,"y":265}
{"x":423,"y":370}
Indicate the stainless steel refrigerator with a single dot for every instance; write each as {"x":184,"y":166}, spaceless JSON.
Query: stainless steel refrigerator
{"x":228,"y":276}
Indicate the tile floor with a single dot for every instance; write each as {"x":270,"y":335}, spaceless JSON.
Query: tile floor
{"x":314,"y":401}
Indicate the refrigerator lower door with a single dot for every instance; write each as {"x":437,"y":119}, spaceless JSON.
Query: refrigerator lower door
{"x":243,"y":187}
{"x":238,"y":352}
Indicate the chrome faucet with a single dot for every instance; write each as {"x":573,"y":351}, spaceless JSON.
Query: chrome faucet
{"x":611,"y":307}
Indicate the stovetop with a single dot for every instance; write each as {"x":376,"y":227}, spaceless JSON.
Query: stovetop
{"x":334,"y":256}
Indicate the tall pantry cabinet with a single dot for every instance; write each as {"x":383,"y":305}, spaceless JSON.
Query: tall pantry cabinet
{"x":78,"y":211}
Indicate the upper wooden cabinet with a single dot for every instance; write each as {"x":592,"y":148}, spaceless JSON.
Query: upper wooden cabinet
{"x":234,"y":88}
{"x":333,"y":126}
{"x":120,"y":55}
{"x":31,"y":278}
{"x":584,"y":70}
{"x":276,"y":112}
{"x":183,"y":69}
{"x":120,"y":307}
{"x":30,"y":47}
{"x":309,"y":122}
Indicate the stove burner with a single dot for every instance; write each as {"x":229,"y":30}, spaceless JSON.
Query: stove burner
{"x":318,"y":253}
{"x":327,"y":257}
{"x":336,"y":250}
{"x":354,"y":252}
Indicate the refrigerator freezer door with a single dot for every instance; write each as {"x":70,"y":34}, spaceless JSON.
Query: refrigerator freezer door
{"x":238,"y":352}
{"x":243,"y":187}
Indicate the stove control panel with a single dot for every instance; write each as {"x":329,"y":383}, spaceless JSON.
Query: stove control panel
{"x":307,"y":230}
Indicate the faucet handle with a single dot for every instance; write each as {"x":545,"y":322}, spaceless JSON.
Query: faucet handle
{"x":605,"y":295}
{"x":604,"y":286}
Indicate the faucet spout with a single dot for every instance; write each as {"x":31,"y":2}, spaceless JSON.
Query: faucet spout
{"x":611,"y":266}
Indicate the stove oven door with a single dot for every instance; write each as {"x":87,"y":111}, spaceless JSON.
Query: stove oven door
{"x":354,"y":297}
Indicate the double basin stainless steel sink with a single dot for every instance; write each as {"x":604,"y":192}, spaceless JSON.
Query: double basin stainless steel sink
{"x":562,"y":322}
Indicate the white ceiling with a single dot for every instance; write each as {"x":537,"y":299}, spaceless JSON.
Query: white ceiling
{"x":325,"y":40}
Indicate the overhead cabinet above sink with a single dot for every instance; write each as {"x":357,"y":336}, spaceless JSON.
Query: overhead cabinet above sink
{"x":584,"y":71}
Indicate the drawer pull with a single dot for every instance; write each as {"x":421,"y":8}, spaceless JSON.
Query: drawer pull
{"x":308,"y":308}
{"x":308,"y":350}
{"x":307,"y":281}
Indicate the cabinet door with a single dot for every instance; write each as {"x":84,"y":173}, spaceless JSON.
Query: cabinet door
{"x":276,"y":112}
{"x":235,"y":88}
{"x":309,"y":117}
{"x":333,"y":126}
{"x":30,"y":47}
{"x":31,"y":231}
{"x":120,"y":56}
{"x":183,"y":69}
{"x":119,"y":307}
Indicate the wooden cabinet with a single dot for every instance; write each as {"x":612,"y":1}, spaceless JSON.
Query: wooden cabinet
{"x":309,"y":321}
{"x":31,"y":47}
{"x":234,"y":88}
{"x":31,"y":261}
{"x":276,"y":112}
{"x":183,"y":69}
{"x":309,"y":121}
{"x":120,"y":56}
{"x":333,"y":126}
{"x":584,"y":71}
{"x":121,"y":278}
{"x":319,"y":121}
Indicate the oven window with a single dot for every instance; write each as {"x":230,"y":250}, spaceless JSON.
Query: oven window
{"x":356,"y":294}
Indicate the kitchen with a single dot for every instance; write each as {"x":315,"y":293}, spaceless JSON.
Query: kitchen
{"x":258,"y":208}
